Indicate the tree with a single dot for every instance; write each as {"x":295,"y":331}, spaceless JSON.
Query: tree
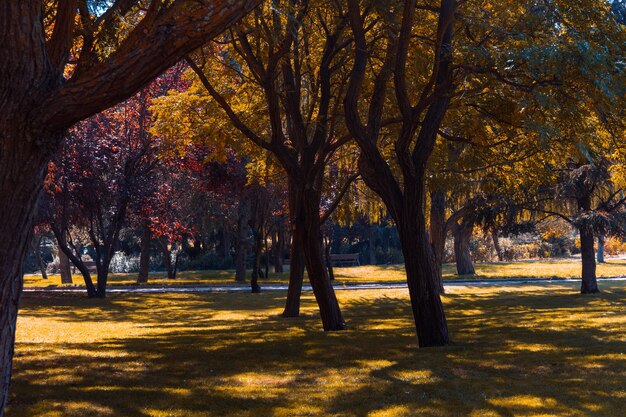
{"x":44,"y":93}
{"x":278,"y":77}
{"x":420,"y":124}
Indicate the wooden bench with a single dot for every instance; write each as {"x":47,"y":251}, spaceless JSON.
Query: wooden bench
{"x":351,"y":259}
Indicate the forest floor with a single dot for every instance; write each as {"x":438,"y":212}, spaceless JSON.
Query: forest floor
{"x":556,"y":268}
{"x":541,"y":351}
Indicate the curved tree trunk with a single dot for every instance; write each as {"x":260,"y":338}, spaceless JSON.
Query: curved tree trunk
{"x":144,"y":257}
{"x":462,"y":254}
{"x":589,"y":283}
{"x":23,"y":162}
{"x":308,"y":219}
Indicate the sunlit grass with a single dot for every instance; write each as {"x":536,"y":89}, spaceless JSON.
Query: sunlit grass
{"x":562,"y":268}
{"x":531,"y":351}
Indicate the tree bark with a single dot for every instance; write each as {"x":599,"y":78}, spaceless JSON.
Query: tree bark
{"x":600,"y":253}
{"x":438,"y":232}
{"x":167,"y":258}
{"x":308,"y":218}
{"x":23,"y":161}
{"x":64,"y":268}
{"x":144,"y":257}
{"x":496,"y":245}
{"x":462,"y":255}
{"x":589,"y":283}
{"x":430,"y":320}
{"x":296,"y":256}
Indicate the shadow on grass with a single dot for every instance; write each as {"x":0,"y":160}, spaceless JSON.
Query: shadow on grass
{"x":548,"y":352}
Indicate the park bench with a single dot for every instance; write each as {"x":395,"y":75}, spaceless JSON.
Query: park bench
{"x":90,"y":264}
{"x":351,"y":259}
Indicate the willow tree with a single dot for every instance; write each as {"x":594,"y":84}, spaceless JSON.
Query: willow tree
{"x":60,"y":62}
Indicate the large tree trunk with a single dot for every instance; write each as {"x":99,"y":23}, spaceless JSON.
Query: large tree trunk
{"x":462,"y":255}
{"x":64,"y":268}
{"x":103,"y":275}
{"x":430,"y":320}
{"x":144,"y":257}
{"x":589,"y":283}
{"x":308,"y":217}
{"x":438,"y":232}
{"x":23,"y":161}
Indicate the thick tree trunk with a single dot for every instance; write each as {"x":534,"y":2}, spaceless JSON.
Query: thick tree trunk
{"x":437,"y":234}
{"x":589,"y":283}
{"x":462,"y":254}
{"x":23,"y":161}
{"x":144,"y":257}
{"x":64,"y":268}
{"x":600,"y":252}
{"x":430,"y":320}
{"x":496,"y":245}
{"x":103,"y":275}
{"x":308,"y":217}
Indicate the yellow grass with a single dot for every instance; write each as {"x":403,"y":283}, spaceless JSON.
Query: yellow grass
{"x":563,"y":268}
{"x":539,"y":350}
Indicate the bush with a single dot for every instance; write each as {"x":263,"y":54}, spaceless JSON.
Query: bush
{"x":614,"y":246}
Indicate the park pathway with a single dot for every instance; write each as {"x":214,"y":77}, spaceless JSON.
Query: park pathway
{"x":337,"y":285}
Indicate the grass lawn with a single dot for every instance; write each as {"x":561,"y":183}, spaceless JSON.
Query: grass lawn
{"x":539,"y":350}
{"x":564,"y":268}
